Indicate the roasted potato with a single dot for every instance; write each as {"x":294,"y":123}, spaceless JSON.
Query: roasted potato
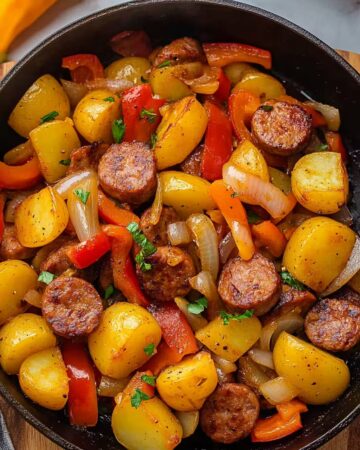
{"x":43,"y":378}
{"x":53,"y":143}
{"x":94,"y":115}
{"x":165,"y":84}
{"x":318,"y":251}
{"x":319,"y":376}
{"x":44,"y":96}
{"x":16,"y":278}
{"x":186,"y":385}
{"x":250,"y":160}
{"x":117,"y":345}
{"x":236,"y":71}
{"x":180,"y":131}
{"x":132,"y":68}
{"x":24,"y":335}
{"x":261,"y":84}
{"x":41,"y":218}
{"x":320,"y":182}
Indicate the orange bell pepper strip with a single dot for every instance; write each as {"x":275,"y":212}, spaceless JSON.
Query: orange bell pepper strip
{"x":113,"y":214}
{"x":224,"y":53}
{"x":318,"y":120}
{"x":83,"y":67}
{"x":137,"y":384}
{"x":269,"y":236}
{"x":289,"y":409}
{"x":275,"y":427}
{"x":235,"y":215}
{"x":242,"y":105}
{"x":335,"y":144}
{"x":165,"y":356}
{"x":2,"y":221}
{"x":20,"y":177}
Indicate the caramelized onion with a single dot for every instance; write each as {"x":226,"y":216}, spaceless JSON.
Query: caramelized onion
{"x":156,"y":207}
{"x":251,"y":373}
{"x":226,"y":247}
{"x":278,"y":390}
{"x":196,"y":321}
{"x":204,"y":283}
{"x":262,"y":357}
{"x":330,"y":113}
{"x":289,"y":322}
{"x":109,"y":387}
{"x":75,"y":91}
{"x":115,"y":86}
{"x":178,"y":233}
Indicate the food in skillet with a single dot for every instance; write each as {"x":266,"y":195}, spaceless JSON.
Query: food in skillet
{"x":175,"y":237}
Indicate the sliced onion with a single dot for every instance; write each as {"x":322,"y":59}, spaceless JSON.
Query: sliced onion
{"x":262,"y":357}
{"x":207,"y":82}
{"x":224,"y":365}
{"x":109,"y":387}
{"x":204,"y":283}
{"x":278,"y":390}
{"x":67,"y":184}
{"x":178,"y":233}
{"x":205,"y":236}
{"x":330,"y":113}
{"x":157,"y":206}
{"x":251,"y":373}
{"x":12,"y":205}
{"x":34,"y":298}
{"x":290,"y":322}
{"x":351,"y":268}
{"x":196,"y":321}
{"x":189,"y":421}
{"x":75,"y":91}
{"x":344,"y":216}
{"x":112,"y":85}
{"x":255,"y":191}
{"x":226,"y":247}
{"x":85,"y":218}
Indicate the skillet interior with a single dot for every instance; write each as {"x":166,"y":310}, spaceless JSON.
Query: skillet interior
{"x":311,"y":66}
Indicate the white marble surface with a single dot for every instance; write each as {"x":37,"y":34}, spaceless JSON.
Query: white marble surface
{"x":337,"y":22}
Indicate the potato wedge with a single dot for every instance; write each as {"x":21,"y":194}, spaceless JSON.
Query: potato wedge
{"x":53,"y":143}
{"x":94,"y":116}
{"x":44,"y":96}
{"x":24,"y":335}
{"x":164,"y":84}
{"x":132,"y":68}
{"x":43,"y":378}
{"x":318,"y":251}
{"x":320,"y":182}
{"x":319,"y":376}
{"x":41,"y":218}
{"x":261,"y":84}
{"x":186,"y":385}
{"x":16,"y":278}
{"x":249,"y":159}
{"x":236,"y":71}
{"x":180,"y":131}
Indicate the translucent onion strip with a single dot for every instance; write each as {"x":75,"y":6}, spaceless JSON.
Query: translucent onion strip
{"x":224,"y":365}
{"x":290,"y":322}
{"x":251,"y":373}
{"x":75,"y":91}
{"x":189,"y":421}
{"x":109,"y":387}
{"x":226,"y":247}
{"x":204,"y":283}
{"x":330,"y":113}
{"x":157,"y":205}
{"x":178,"y":233}
{"x":262,"y":357}
{"x":67,"y":184}
{"x":34,"y":298}
{"x":196,"y":321}
{"x":278,"y":390}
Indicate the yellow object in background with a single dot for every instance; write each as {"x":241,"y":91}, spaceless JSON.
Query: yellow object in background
{"x":16,"y":16}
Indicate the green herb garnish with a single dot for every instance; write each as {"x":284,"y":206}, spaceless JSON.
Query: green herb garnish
{"x":148,"y":379}
{"x":287,"y":278}
{"x":46,"y":277}
{"x":149,"y":349}
{"x":118,"y":130}
{"x":149,"y":115}
{"x":109,"y":99}
{"x":82,"y":195}
{"x":109,"y":291}
{"x":266,"y":108}
{"x":198,"y":306}
{"x":65,"y":162}
{"x":138,"y":397}
{"x":147,"y":248}
{"x":49,"y":117}
{"x":234,"y":195}
{"x":153,"y":140}
{"x":166,"y":63}
{"x":226,"y":317}
{"x":322,"y":148}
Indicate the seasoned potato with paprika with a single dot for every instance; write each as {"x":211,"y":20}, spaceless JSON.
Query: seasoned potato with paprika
{"x":43,"y":378}
{"x":24,"y":335}
{"x":166,"y":85}
{"x":261,"y":84}
{"x":44,"y":96}
{"x":236,"y":71}
{"x":320,"y":182}
{"x":180,"y":131}
{"x":319,"y":376}
{"x":131,"y":68}
{"x":16,"y":278}
{"x":249,"y":159}
{"x":186,"y":385}
{"x":318,"y":251}
{"x":119,"y":345}
{"x":41,"y":218}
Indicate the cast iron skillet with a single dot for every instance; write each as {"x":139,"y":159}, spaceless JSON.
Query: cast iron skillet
{"x":298,"y":56}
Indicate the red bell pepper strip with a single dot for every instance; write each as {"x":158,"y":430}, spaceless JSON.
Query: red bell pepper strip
{"x":2,"y":222}
{"x":131,"y":43}
{"x":242,"y":105}
{"x":176,"y":330}
{"x":83,"y":67}
{"x":123,"y":270}
{"x":224,"y":53}
{"x":20,"y":177}
{"x":82,"y":402}
{"x":140,"y":113}
{"x":218,"y":142}
{"x":335,"y":144}
{"x":223,"y":92}
{"x":165,"y":356}
{"x":113,"y":214}
{"x":88,"y":252}
{"x":269,"y":236}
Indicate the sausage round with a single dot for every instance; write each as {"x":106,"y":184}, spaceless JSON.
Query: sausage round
{"x":252,"y":284}
{"x":157,"y":234}
{"x":192,"y":164}
{"x":169,"y":275}
{"x":230,"y":413}
{"x":334,"y":324}
{"x":10,"y":247}
{"x":71,"y":306}
{"x":127,"y":172}
{"x":180,"y":50}
{"x":281,"y":128}
{"x":57,"y":262}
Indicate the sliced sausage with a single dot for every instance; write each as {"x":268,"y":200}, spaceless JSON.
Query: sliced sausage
{"x":71,"y":306}
{"x":230,"y":413}
{"x":57,"y":262}
{"x":169,"y":275}
{"x":157,"y":234}
{"x":281,"y":128}
{"x":192,"y":164}
{"x":87,"y":157}
{"x":127,"y":172}
{"x":252,"y":284}
{"x":181,"y":50}
{"x":10,"y":247}
{"x":334,"y":324}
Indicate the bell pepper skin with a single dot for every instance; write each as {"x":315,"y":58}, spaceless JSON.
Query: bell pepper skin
{"x":113,"y":214}
{"x":165,"y":356}
{"x":242,"y":106}
{"x":269,"y":236}
{"x":83,"y":67}
{"x":335,"y":144}
{"x":223,"y":92}
{"x":224,"y":53}
{"x":20,"y":177}
{"x":88,"y":252}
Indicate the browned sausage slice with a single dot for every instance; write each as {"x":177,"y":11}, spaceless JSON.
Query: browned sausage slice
{"x":127,"y":172}
{"x":10,"y":247}
{"x":192,"y":164}
{"x":157,"y":234}
{"x":253,"y":284}
{"x":230,"y":413}
{"x":87,"y":157}
{"x":57,"y":262}
{"x":181,"y":50}
{"x":71,"y":306}
{"x":281,"y":128}
{"x":334,"y":324}
{"x":169,"y":275}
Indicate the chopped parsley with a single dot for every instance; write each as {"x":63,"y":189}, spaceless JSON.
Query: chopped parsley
{"x":166,"y":63}
{"x":109,"y":99}
{"x":198,"y":306}
{"x":147,"y":248}
{"x":149,"y":349}
{"x":49,"y":117}
{"x":153,"y":139}
{"x":65,"y":162}
{"x":234,"y":195}
{"x":148,"y":114}
{"x":322,"y":148}
{"x":46,"y":277}
{"x":287,"y":278}
{"x":138,"y":397}
{"x":148,"y":379}
{"x":118,"y":130}
{"x":252,"y":217}
{"x":266,"y":108}
{"x":82,"y":195}
{"x":226,"y":317}
{"x":109,"y":291}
